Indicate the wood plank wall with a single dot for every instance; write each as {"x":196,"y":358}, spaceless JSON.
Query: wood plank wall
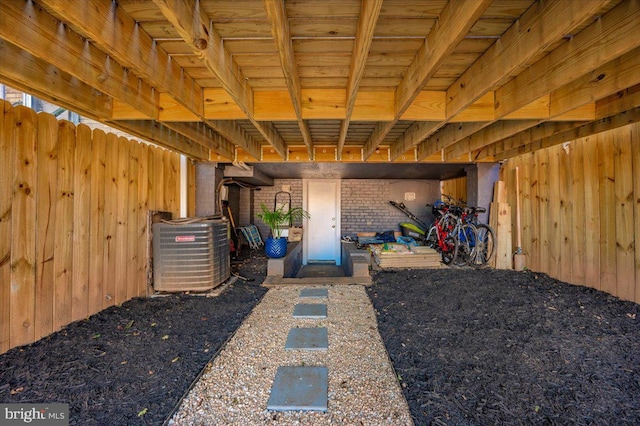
{"x":581,"y":210}
{"x":73,"y":220}
{"x":456,"y":188}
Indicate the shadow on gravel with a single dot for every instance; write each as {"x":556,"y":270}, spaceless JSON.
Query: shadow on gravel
{"x":503,"y":347}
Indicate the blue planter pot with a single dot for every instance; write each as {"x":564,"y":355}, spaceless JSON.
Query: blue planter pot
{"x":275,"y":247}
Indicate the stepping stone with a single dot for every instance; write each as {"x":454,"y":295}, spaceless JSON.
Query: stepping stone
{"x":310,"y":339}
{"x":299,"y":388}
{"x":314,"y":292}
{"x":308,"y":310}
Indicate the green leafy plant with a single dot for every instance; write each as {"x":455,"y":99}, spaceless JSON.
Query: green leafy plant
{"x":281,"y":217}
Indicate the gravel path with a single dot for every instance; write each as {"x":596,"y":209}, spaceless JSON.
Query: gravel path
{"x":363,"y":388}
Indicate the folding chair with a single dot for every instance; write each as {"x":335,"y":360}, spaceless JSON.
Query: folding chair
{"x":252,"y":235}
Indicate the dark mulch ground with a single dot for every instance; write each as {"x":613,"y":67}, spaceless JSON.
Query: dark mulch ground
{"x":470,"y":347}
{"x":502,"y":347}
{"x":130,"y":365}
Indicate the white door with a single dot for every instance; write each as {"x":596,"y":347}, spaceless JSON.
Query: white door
{"x":321,"y":198}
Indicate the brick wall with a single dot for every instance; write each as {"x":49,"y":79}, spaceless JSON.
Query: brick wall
{"x":266,"y":196}
{"x":364,"y":202}
{"x":366,"y":208}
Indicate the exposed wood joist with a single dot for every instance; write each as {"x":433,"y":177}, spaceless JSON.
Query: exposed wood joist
{"x":369,"y":13}
{"x":114,"y":32}
{"x":601,"y":82}
{"x":444,"y":81}
{"x":233,"y":132}
{"x":111,"y":29}
{"x":280,"y":30}
{"x":453,"y":24}
{"x":599,"y":43}
{"x":598,"y":126}
{"x":164,"y":136}
{"x":611,"y":106}
{"x":33,"y":75}
{"x":194,"y":26}
{"x":205,"y":136}
{"x":45,"y":37}
{"x":543,"y":24}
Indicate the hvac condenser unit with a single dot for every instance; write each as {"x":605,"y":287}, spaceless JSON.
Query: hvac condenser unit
{"x":190,"y":256}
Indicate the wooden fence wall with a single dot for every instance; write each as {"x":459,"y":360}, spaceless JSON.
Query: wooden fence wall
{"x":456,"y":188}
{"x":581,"y":210}
{"x":73,"y":220}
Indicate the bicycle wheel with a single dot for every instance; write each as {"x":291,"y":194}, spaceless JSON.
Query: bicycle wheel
{"x":448,"y":252}
{"x":485,"y":246}
{"x":464,"y":245}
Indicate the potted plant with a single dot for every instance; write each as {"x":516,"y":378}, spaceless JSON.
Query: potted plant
{"x":282,"y":217}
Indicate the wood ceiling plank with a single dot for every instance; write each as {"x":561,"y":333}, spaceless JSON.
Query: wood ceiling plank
{"x":333,"y":8}
{"x":327,"y":27}
{"x":454,"y":23}
{"x":194,"y":26}
{"x":403,"y":27}
{"x":367,"y":21}
{"x":44,"y":37}
{"x":281,"y":29}
{"x":243,"y":29}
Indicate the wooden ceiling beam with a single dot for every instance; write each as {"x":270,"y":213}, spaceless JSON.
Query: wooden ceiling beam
{"x":232,"y":131}
{"x":164,"y":136}
{"x":21,"y":70}
{"x":599,"y":83}
{"x":205,"y":136}
{"x":611,"y":106}
{"x":454,"y":23}
{"x":616,"y":75}
{"x":541,"y":25}
{"x":369,"y":13}
{"x":280,"y":29}
{"x":488,"y":135}
{"x":598,"y":126}
{"x":597,"y":78}
{"x":611,"y":36}
{"x":618,"y":102}
{"x":45,"y":37}
{"x":110,"y":28}
{"x":196,"y":29}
